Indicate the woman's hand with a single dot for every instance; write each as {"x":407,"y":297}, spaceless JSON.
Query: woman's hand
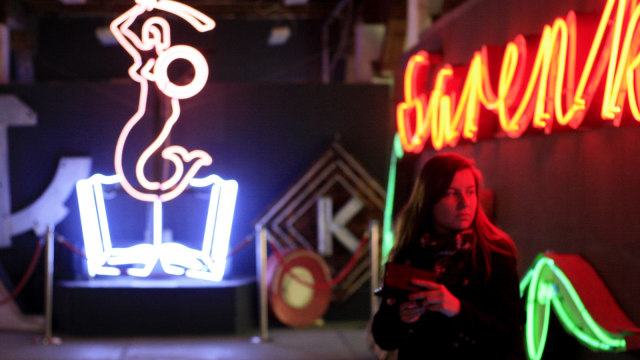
{"x":436,"y":297}
{"x":409,"y":311}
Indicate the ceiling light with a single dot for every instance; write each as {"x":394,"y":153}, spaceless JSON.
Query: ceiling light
{"x":105,"y":36}
{"x":73,"y":2}
{"x":279,"y":35}
{"x":294,"y":2}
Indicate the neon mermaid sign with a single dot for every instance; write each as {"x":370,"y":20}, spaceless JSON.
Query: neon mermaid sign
{"x":156,"y":36}
{"x":174,"y":258}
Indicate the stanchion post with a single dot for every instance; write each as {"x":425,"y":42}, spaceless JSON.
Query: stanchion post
{"x":48,"y":293}
{"x":261,"y":275}
{"x":375,"y":259}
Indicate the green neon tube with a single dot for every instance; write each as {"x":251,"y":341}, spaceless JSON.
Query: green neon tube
{"x":548,"y":288}
{"x":387,"y":225}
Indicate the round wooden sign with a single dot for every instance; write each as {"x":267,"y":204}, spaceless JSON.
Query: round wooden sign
{"x":298,"y":287}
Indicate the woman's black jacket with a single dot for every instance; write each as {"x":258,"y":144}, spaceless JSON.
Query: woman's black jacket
{"x":488,"y":326}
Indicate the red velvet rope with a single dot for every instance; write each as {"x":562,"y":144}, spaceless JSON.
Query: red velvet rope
{"x":239,"y":247}
{"x":66,"y":243}
{"x":324,"y":285}
{"x":26,"y":276}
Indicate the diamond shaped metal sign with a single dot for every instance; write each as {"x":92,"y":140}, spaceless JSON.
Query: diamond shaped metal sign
{"x":329,"y":210}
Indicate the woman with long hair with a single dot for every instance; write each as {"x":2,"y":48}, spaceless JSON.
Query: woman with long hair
{"x":471,"y":307}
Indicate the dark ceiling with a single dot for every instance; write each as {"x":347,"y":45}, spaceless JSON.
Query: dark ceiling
{"x":216,"y":8}
{"x":32,"y":21}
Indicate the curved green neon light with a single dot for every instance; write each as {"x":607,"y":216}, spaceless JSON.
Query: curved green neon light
{"x":548,"y":288}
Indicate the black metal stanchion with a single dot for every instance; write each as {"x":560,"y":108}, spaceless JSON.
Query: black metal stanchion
{"x":374,"y":232}
{"x":49,"y":339}
{"x":261,"y":275}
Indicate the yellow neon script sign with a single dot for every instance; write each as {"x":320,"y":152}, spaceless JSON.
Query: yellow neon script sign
{"x":551,"y":91}
{"x":155,"y":36}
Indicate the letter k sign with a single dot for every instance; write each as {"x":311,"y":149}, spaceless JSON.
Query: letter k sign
{"x":330,"y":225}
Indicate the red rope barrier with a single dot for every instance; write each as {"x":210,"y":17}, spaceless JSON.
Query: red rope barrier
{"x":247,"y":240}
{"x":325,"y":285}
{"x":66,"y":243}
{"x":26,"y":276}
{"x":351,"y":263}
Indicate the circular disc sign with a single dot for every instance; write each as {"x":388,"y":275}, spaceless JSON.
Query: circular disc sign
{"x":298,"y":287}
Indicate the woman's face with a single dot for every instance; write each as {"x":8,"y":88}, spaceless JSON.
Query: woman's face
{"x":457,"y":209}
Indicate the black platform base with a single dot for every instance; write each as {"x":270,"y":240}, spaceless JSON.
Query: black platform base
{"x":126,"y":306}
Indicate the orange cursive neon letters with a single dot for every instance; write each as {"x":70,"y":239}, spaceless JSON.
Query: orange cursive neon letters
{"x":551,"y":92}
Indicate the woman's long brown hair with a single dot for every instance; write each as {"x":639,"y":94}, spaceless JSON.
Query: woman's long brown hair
{"x":416,"y":218}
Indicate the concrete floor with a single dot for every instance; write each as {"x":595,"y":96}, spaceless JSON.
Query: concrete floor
{"x":336,"y":341}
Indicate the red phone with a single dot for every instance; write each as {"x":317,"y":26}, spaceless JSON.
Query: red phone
{"x":397,"y":280}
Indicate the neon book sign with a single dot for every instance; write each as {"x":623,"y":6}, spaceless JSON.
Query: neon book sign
{"x":208,"y":261}
{"x":535,"y":96}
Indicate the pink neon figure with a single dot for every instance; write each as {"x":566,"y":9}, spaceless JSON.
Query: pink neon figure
{"x":155,"y":35}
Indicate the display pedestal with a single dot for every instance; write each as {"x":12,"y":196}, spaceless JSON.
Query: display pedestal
{"x":133,"y":306}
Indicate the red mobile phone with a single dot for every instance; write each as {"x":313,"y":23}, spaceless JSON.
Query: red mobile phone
{"x":397,"y":280}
